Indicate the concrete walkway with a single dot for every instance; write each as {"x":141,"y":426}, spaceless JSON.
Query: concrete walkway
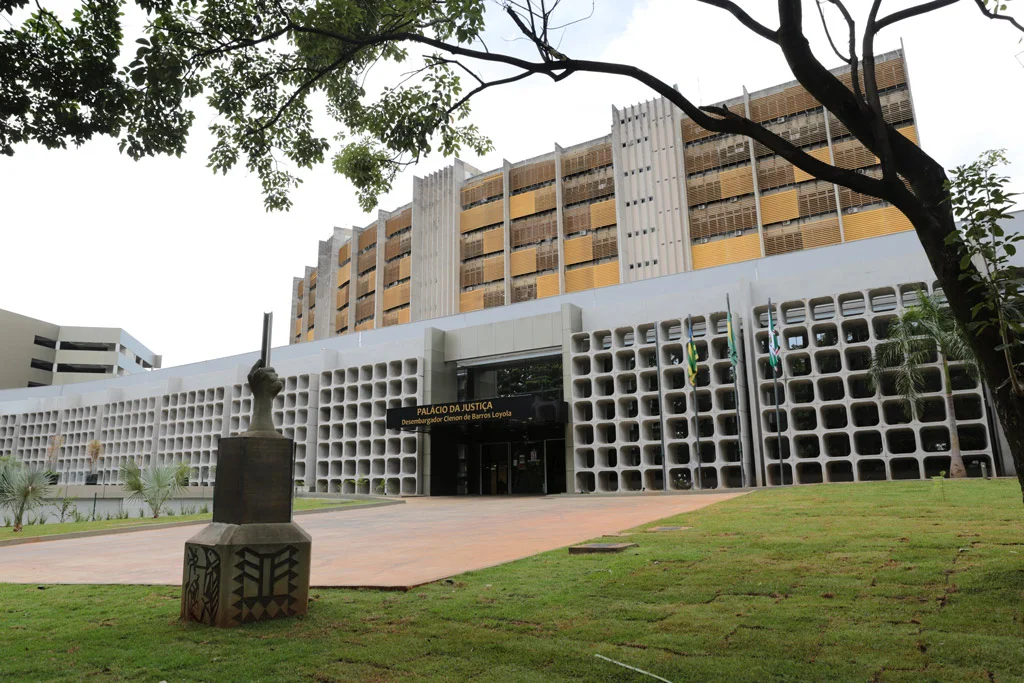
{"x":388,"y":547}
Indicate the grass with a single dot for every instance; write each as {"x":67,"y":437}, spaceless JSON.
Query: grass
{"x":51,"y":528}
{"x":871,"y":582}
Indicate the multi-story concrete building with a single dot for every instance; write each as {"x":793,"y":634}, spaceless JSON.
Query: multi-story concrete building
{"x":656,"y":196}
{"x":437,"y":406}
{"x":37,"y":353}
{"x":522,"y":331}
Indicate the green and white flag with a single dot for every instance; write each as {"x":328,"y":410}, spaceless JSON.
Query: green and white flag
{"x":774,"y":350}
{"x":691,"y":356}
{"x":734,"y":354}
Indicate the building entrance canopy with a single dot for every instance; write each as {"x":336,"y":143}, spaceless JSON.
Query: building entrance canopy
{"x":528,"y":409}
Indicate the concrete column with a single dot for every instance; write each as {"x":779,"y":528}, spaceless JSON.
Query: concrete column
{"x":440,"y":385}
{"x":378,"y":298}
{"x":507,"y":227}
{"x":753,"y":171}
{"x":572,"y":321}
{"x":560,"y":219}
{"x":832,"y":160}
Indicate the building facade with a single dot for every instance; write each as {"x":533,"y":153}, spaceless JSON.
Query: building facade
{"x":610,"y":359}
{"x":37,"y":353}
{"x":522,"y":331}
{"x":656,"y":196}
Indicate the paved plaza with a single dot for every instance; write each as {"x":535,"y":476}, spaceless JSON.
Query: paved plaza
{"x":396,"y":546}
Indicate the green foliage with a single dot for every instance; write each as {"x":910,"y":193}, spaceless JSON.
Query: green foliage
{"x":876,"y":581}
{"x":21,"y":490}
{"x":258,"y":64}
{"x":921,"y":331}
{"x":65,"y":507}
{"x":980,"y":202}
{"x":154,"y":486}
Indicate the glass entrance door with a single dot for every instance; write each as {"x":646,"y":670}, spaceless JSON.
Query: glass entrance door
{"x":528,"y":467}
{"x":494,"y":469}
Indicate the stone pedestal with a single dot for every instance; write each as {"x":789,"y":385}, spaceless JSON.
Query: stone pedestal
{"x":252,"y":563}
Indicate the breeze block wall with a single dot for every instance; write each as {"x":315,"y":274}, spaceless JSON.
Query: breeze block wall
{"x":836,"y":426}
{"x":632,"y":407}
{"x":355,"y":452}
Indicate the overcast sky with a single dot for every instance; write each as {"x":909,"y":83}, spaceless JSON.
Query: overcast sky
{"x":187,"y":261}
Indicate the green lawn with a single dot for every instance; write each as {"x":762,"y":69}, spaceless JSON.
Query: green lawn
{"x":49,"y":529}
{"x":862,"y":582}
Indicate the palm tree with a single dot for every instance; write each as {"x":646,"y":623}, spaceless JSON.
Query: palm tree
{"x":923,"y":330}
{"x":155,"y":485}
{"x":21,"y":489}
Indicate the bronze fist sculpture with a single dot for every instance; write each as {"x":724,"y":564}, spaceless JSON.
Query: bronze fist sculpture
{"x":264,"y":385}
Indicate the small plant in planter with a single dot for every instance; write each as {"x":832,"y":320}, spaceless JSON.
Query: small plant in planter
{"x":382,"y":487}
{"x":93,"y":449}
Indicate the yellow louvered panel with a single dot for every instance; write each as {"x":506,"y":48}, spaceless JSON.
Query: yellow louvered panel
{"x":403,"y":315}
{"x":494,"y":240}
{"x":345,"y":253}
{"x":309,"y":334}
{"x":398,"y":223}
{"x":821,"y":154}
{"x":524,"y":261}
{"x":544,"y":199}
{"x":396,"y":296}
{"x":479,"y":216}
{"x":547,"y":285}
{"x":484,"y":188}
{"x":606,"y":274}
{"x":579,"y":250}
{"x":732,"y":250}
{"x":858,"y":226}
{"x":404,"y":267}
{"x":366,"y":325}
{"x":472,"y":301}
{"x":344,"y":274}
{"x":736,"y":181}
{"x":302,"y":287}
{"x":579,"y":279}
{"x":298,"y":326}
{"x":852,"y":154}
{"x":494,"y":268}
{"x":312,"y":279}
{"x":522,"y":204}
{"x":341,"y":298}
{"x":778,"y":207}
{"x":910,"y":133}
{"x":797,"y":238}
{"x":367,"y":238}
{"x":602,"y":214}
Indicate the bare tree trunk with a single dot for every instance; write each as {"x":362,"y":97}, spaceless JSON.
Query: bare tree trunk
{"x":956,"y":462}
{"x":933,"y":220}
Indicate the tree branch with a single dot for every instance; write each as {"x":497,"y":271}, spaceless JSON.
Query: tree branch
{"x":744,"y":18}
{"x":910,"y":12}
{"x":995,"y":15}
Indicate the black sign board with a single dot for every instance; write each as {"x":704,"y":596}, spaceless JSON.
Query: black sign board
{"x":505,"y":409}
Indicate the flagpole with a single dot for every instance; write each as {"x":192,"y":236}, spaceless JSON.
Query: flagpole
{"x":736,"y":389}
{"x":778,"y":418}
{"x":696,"y":408}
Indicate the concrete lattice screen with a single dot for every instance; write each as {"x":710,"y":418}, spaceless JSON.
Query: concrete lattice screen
{"x":835,"y":425}
{"x":191,"y":424}
{"x":292,"y":414}
{"x":128,"y":429}
{"x":355,"y":450}
{"x":620,"y":414}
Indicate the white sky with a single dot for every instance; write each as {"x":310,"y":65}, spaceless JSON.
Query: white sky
{"x":187,"y":261}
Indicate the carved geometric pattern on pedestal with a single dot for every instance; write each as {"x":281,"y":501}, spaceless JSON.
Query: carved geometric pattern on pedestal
{"x":202,"y":590}
{"x":264,"y":584}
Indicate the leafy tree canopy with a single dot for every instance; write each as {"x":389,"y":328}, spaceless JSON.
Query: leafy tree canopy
{"x":267,"y":66}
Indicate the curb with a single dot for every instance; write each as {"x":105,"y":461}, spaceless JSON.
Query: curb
{"x":171,"y":525}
